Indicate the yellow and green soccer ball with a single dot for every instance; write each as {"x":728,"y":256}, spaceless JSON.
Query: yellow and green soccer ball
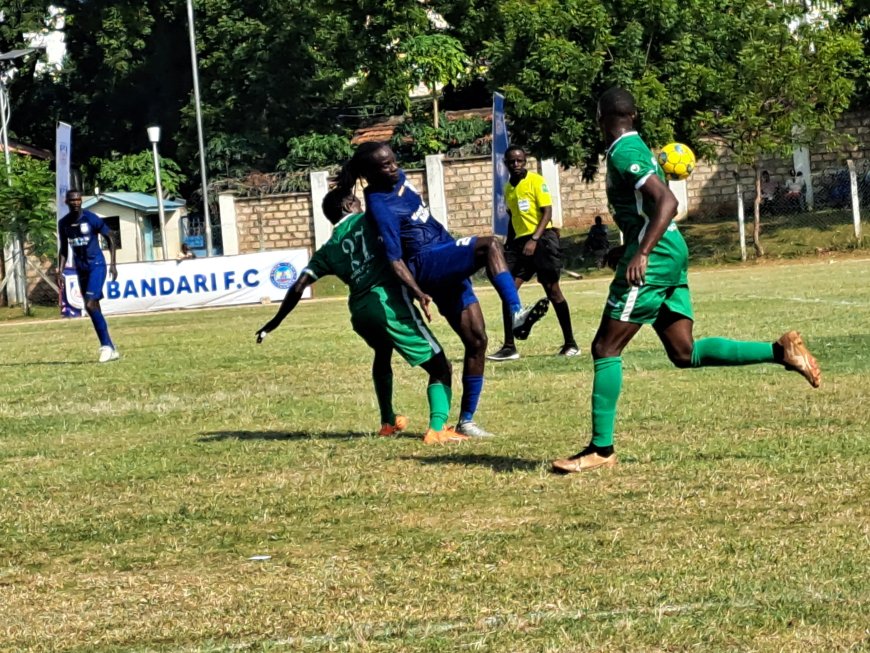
{"x":677,"y":161}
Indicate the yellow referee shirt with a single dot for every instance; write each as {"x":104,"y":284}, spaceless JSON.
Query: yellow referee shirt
{"x":525,"y":203}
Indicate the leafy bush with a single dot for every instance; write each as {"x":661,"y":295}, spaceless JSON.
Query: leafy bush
{"x":134,"y":173}
{"x":416,"y":138}
{"x":316,"y":151}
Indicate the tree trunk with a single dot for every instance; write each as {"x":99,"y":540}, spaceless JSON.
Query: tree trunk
{"x":435,"y":106}
{"x":756,"y":205}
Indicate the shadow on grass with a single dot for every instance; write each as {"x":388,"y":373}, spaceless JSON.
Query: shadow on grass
{"x":217,"y":436}
{"x":495,"y":463}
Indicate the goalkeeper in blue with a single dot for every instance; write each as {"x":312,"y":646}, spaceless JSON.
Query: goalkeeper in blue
{"x":651,"y":286}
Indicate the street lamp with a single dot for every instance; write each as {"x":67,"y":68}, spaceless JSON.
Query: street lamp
{"x":195,"y":68}
{"x":154,"y":137}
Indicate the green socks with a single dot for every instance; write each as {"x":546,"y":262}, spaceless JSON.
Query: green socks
{"x":439,"y":405}
{"x":606,"y":387}
{"x":721,"y":351}
{"x":384,"y":393}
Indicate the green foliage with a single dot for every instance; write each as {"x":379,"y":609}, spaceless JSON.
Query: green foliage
{"x":677,"y":57}
{"x":316,"y":152}
{"x":135,"y":173}
{"x":433,"y":59}
{"x":416,"y":138}
{"x":27,"y":203}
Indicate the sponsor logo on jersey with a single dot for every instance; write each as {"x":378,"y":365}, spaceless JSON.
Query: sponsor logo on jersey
{"x":283,"y":275}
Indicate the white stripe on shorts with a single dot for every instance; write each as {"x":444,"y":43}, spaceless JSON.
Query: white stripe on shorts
{"x":629,"y":303}
{"x":420,"y":324}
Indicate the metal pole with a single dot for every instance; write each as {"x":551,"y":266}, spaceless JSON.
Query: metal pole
{"x":163,"y":239}
{"x":202,"y":171}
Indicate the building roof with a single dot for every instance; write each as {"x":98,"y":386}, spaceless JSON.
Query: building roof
{"x":138,"y":201}
{"x":383,"y":130}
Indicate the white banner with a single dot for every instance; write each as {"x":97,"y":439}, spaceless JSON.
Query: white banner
{"x":198,"y":283}
{"x":63,"y":151}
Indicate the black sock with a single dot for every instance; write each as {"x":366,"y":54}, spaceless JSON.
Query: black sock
{"x":601,"y":451}
{"x":564,"y":316}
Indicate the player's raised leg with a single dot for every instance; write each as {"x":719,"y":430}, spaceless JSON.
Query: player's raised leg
{"x":489,"y":253}
{"x":675,"y":332}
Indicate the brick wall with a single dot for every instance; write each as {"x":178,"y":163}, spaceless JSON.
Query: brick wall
{"x":275,"y":222}
{"x":287,"y":220}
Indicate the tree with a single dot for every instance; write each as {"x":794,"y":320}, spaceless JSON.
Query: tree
{"x":776,"y":88}
{"x":135,"y":173}
{"x":27,"y":203}
{"x":434,"y":60}
{"x":27,"y":209}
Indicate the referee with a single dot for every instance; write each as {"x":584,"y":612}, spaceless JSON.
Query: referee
{"x":532,"y":248}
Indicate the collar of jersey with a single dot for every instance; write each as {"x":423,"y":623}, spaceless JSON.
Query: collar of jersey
{"x":613,"y":144}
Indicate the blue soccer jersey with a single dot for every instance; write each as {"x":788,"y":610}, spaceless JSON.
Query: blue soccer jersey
{"x":82,"y":235}
{"x":404,"y":222}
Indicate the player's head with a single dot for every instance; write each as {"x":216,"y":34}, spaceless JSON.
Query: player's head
{"x":515,"y":160}
{"x":598,"y":220}
{"x":765,"y":175}
{"x":74,"y":200}
{"x":338,"y":203}
{"x":374,"y":162}
{"x":616,"y":110}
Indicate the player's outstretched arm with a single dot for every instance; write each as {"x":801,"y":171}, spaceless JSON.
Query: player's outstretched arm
{"x":294,"y":294}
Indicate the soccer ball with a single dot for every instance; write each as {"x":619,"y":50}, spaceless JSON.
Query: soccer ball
{"x":677,"y":160}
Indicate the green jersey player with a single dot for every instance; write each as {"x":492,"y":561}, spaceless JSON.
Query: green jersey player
{"x":381,"y":313}
{"x":650,"y":285}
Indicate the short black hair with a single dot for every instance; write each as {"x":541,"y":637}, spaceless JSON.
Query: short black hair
{"x":334,"y":203}
{"x":616,"y":101}
{"x":514,"y":148}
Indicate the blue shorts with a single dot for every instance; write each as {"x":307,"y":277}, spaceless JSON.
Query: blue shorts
{"x":442,"y":272}
{"x":91,"y":282}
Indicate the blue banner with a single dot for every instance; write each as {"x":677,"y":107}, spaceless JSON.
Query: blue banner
{"x":500,"y":142}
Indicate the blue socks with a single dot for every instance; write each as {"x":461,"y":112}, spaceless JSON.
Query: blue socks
{"x":101,"y":328}
{"x":504,"y":285}
{"x":472,"y":386}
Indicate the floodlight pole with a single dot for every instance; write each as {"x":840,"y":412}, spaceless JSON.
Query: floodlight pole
{"x":154,"y":137}
{"x":196,"y":99}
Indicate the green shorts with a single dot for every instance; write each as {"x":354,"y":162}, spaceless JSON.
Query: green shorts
{"x":643,"y":304}
{"x":385,"y":317}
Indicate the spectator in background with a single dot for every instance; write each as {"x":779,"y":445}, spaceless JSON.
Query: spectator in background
{"x":185,"y":253}
{"x":597,"y":242}
{"x":794,"y":191}
{"x":769,"y":192}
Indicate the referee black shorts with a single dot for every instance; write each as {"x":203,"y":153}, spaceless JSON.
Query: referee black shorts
{"x":546,"y":261}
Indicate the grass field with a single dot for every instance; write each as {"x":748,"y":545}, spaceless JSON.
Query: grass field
{"x":133,"y":495}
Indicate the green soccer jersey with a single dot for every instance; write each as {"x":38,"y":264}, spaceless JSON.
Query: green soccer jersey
{"x":355,"y":255}
{"x":629,"y":164}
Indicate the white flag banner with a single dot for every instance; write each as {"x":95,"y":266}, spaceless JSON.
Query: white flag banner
{"x":198,"y":283}
{"x":63,"y":151}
